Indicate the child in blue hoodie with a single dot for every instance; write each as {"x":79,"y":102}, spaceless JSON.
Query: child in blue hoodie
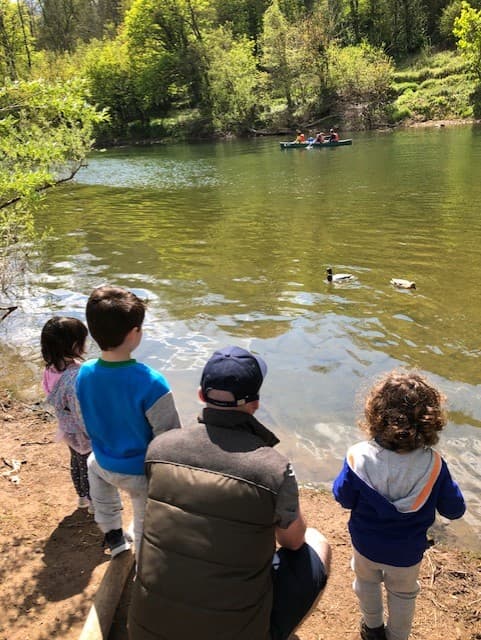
{"x":394,"y":483}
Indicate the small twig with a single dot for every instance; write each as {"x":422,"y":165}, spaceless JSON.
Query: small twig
{"x":11,"y":463}
{"x":433,"y":569}
{"x":27,"y":444}
{"x":8,"y":311}
{"x":437,"y":604}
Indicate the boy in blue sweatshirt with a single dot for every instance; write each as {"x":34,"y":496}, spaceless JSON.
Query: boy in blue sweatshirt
{"x":394,"y":484}
{"x":124,"y":405}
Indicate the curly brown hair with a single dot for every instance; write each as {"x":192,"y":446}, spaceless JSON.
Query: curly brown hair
{"x":403,"y":412}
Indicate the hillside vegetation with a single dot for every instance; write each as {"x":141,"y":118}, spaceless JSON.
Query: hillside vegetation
{"x":433,"y":87}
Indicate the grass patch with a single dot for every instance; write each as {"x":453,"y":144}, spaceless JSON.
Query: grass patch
{"x":432,"y":87}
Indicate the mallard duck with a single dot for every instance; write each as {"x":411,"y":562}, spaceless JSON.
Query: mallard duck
{"x":338,"y":277}
{"x":403,"y":284}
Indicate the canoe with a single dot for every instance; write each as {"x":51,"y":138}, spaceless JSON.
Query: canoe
{"x":304,"y":145}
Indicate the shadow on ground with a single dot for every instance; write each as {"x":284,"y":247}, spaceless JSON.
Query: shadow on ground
{"x":61,"y":570}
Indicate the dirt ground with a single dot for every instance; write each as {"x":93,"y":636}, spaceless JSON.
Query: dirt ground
{"x":52,"y":561}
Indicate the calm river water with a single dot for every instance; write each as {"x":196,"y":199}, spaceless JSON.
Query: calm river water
{"x":230,"y":242}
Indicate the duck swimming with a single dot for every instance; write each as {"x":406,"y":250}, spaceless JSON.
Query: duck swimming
{"x":338,"y":277}
{"x":403,"y":284}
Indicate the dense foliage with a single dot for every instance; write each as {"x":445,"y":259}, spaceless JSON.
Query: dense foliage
{"x":467,"y":29}
{"x":197,"y":67}
{"x":45,"y":132}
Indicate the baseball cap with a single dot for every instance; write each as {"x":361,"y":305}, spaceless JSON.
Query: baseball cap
{"x":235,"y":370}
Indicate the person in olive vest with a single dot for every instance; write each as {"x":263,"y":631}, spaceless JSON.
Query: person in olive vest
{"x":219,"y":497}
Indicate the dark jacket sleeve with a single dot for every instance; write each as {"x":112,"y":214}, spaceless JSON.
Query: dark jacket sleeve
{"x":343,"y":489}
{"x":450,"y":502}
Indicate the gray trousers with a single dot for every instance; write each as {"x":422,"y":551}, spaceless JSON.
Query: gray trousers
{"x":402,"y":587}
{"x":105,"y":496}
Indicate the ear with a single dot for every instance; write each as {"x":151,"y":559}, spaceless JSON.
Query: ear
{"x":201,"y":395}
{"x":78,"y":349}
{"x":134,"y":331}
{"x":253,"y":406}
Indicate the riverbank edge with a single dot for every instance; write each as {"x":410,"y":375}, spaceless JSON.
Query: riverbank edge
{"x":262,"y":133}
{"x":53,"y":557}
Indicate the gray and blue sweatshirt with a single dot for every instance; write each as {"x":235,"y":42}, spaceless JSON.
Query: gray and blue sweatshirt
{"x":124,"y":405}
{"x":393,"y":499}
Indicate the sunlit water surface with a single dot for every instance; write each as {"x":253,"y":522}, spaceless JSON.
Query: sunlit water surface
{"x":230,"y":242}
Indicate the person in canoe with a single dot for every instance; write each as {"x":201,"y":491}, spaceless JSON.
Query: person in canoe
{"x":320,"y":137}
{"x":334,"y":136}
{"x":300,"y":137}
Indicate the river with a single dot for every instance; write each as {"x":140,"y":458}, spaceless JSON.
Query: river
{"x":230,"y":241}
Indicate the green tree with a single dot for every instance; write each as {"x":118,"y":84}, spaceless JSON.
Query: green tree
{"x":63,"y":23}
{"x":244,"y":16}
{"x":362,"y":77}
{"x":16,"y":40}
{"x":45,"y":133}
{"x":295,"y":57}
{"x":233,"y":80}
{"x":275,"y":53}
{"x":169,"y":36}
{"x":446,"y":22}
{"x":115,"y":84}
{"x":400,"y":27}
{"x":467,"y":30}
{"x":433,"y":10}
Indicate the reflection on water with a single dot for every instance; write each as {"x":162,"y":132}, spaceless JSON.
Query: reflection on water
{"x":230,"y":242}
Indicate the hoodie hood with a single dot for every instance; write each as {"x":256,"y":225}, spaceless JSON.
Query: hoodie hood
{"x":403,"y":479}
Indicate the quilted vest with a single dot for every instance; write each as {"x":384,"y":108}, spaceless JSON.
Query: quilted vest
{"x":209,"y":532}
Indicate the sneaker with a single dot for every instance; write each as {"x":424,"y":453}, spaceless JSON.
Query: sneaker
{"x":375,"y":633}
{"x":116,"y":542}
{"x":90,"y":508}
{"x":83,"y":502}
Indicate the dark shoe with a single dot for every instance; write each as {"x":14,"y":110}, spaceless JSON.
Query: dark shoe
{"x":116,"y":542}
{"x":376,"y":633}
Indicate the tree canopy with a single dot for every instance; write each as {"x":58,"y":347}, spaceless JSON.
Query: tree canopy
{"x":236,"y":64}
{"x":467,"y":30}
{"x":45,"y":132}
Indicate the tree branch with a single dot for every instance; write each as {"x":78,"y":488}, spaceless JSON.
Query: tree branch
{"x":8,"y":311}
{"x":44,"y":187}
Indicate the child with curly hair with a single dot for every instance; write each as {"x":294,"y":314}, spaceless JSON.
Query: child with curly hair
{"x":393,"y":484}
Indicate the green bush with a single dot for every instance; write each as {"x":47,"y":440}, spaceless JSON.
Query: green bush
{"x":137,"y":130}
{"x":399,"y":114}
{"x":411,"y":75}
{"x":401,"y":87}
{"x":157,"y":128}
{"x":429,"y":84}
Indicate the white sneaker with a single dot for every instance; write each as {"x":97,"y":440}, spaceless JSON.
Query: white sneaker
{"x":90,"y":508}
{"x":83,"y":502}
